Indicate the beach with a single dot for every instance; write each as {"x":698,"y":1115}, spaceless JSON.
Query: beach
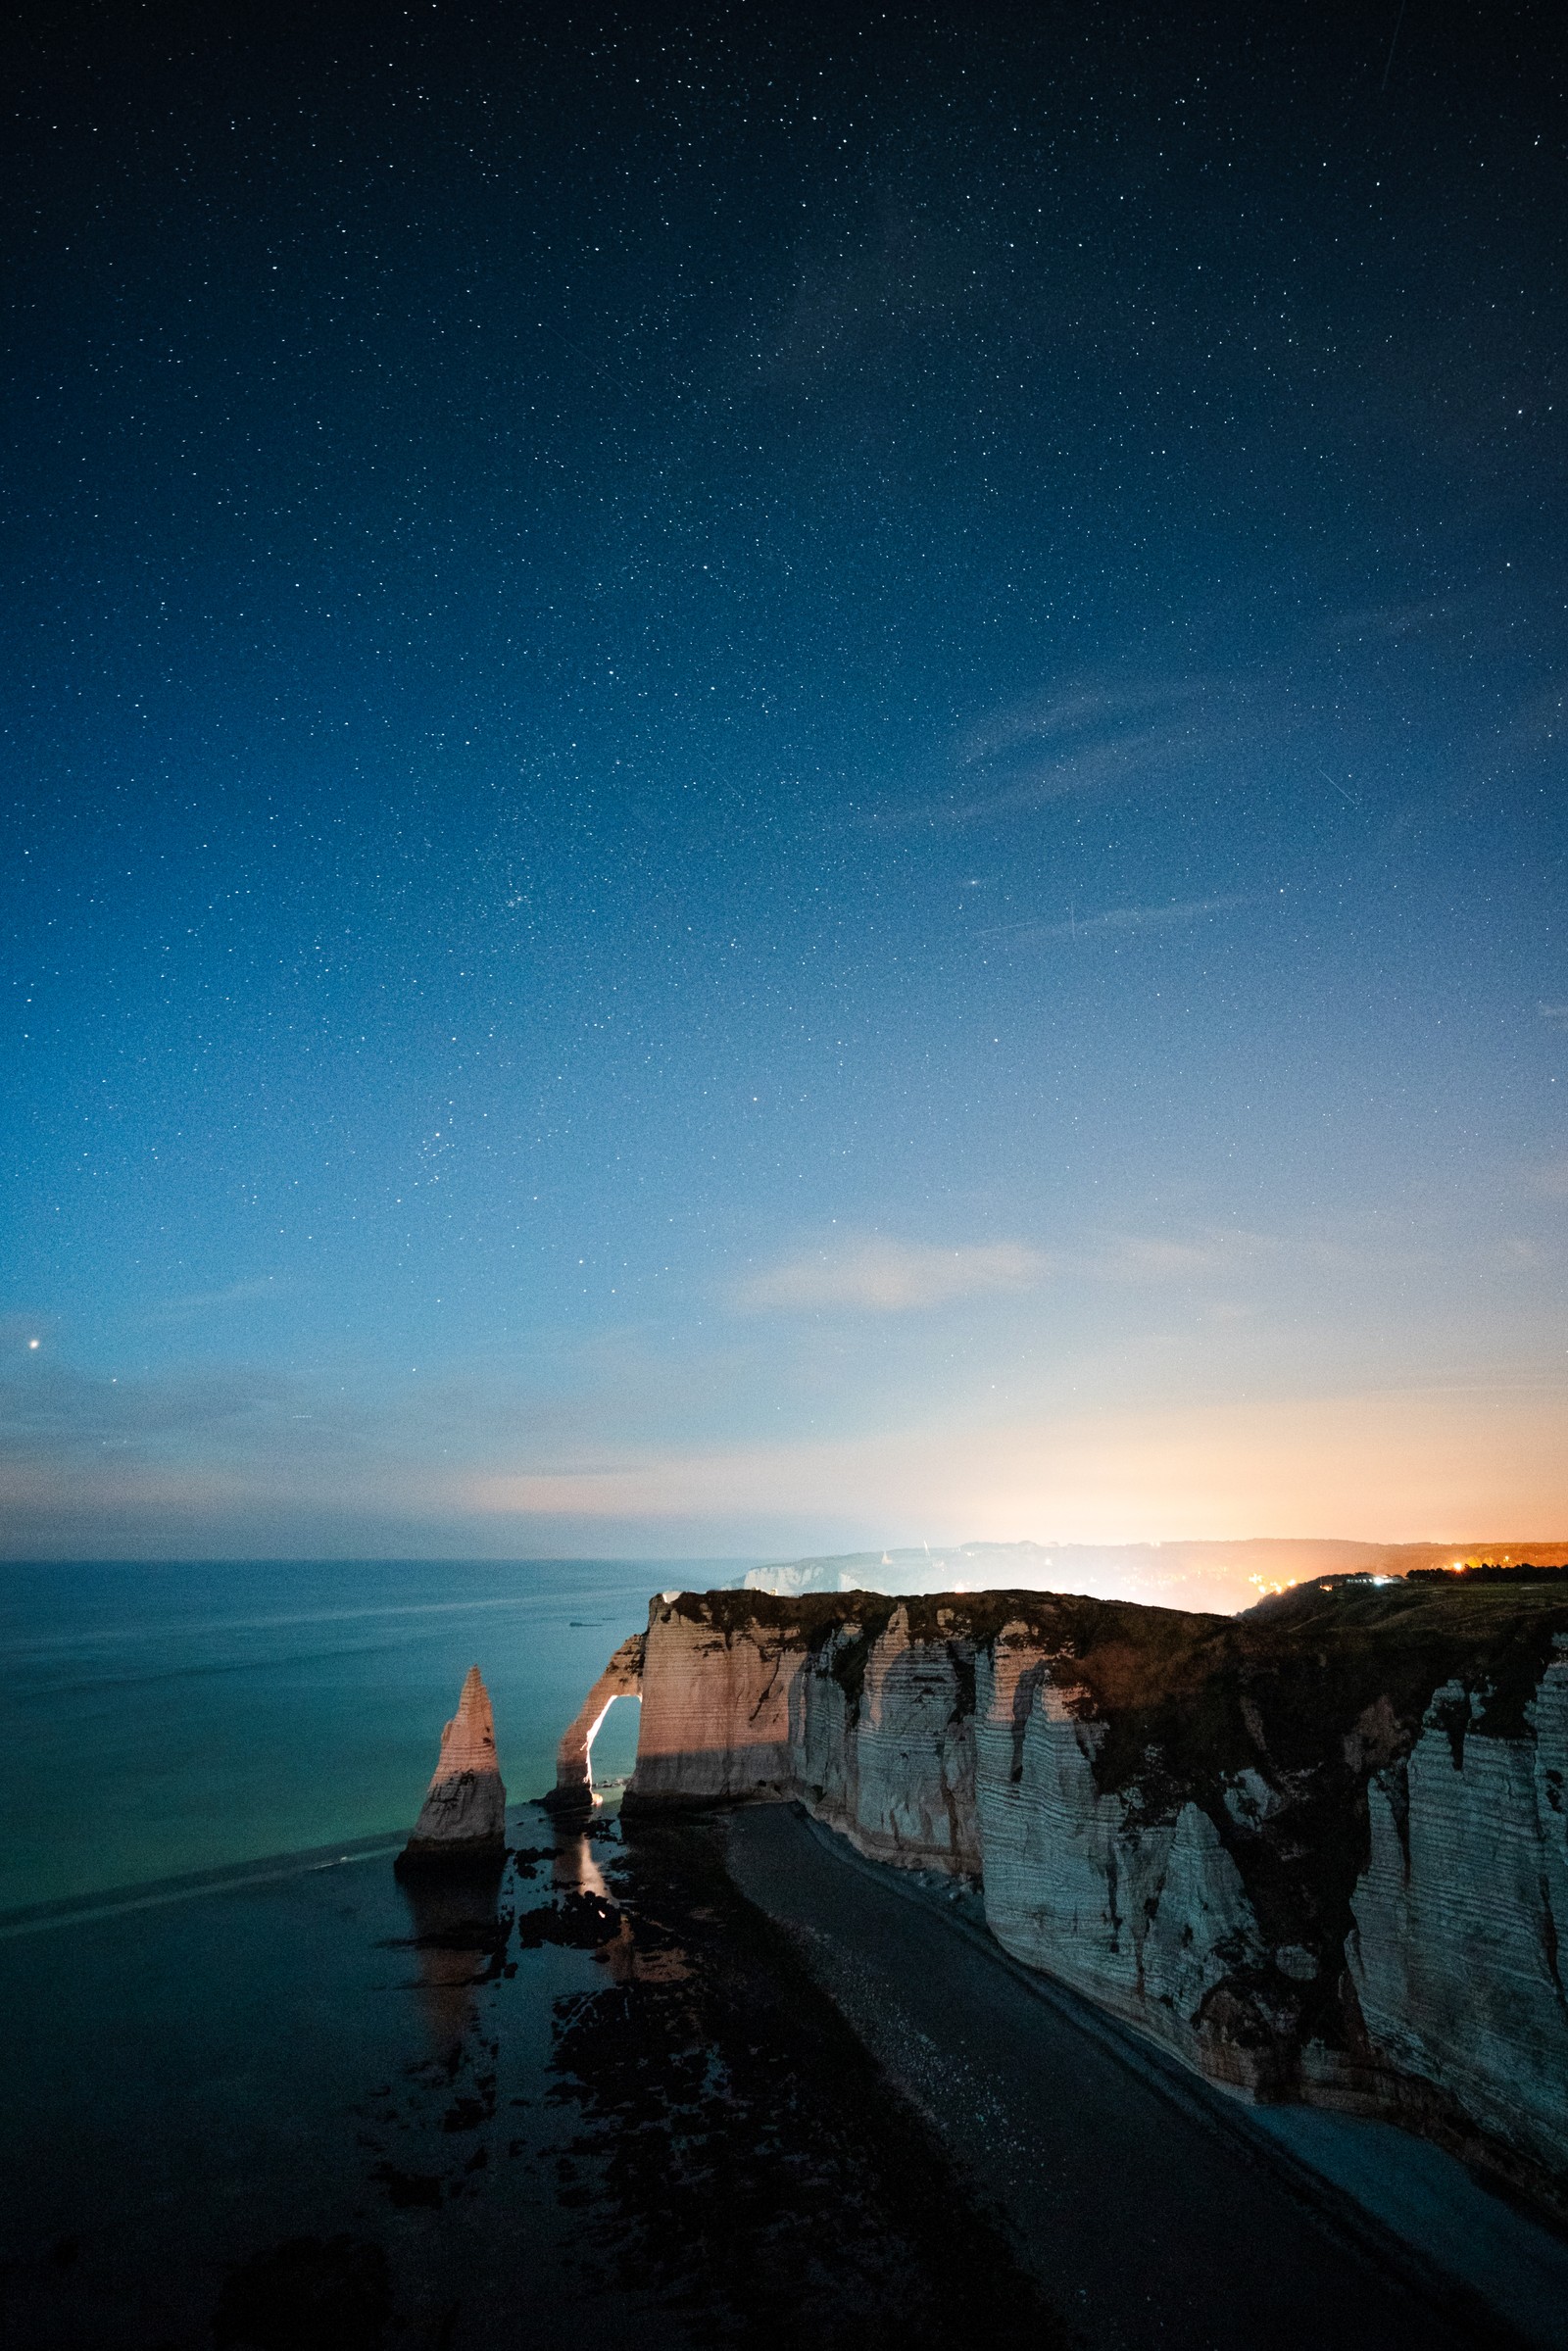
{"x":710,"y":2079}
{"x":1160,"y":2210}
{"x":593,"y":2095}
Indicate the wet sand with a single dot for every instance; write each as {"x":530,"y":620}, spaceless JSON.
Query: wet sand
{"x":591,"y":2097}
{"x":715,"y":2083}
{"x":1159,"y":2212}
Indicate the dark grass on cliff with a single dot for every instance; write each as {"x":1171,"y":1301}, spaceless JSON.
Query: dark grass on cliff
{"x":1309,"y":1662}
{"x":1335,"y":1687}
{"x":742,"y":2159}
{"x":1315,"y":1693}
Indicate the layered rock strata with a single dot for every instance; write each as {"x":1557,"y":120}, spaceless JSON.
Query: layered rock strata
{"x":1320,"y":1850}
{"x":464,"y":1817}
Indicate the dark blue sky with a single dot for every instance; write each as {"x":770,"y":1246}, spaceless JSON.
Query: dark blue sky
{"x":774,"y":785}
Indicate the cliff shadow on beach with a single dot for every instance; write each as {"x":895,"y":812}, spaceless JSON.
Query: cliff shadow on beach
{"x":592,"y":2096}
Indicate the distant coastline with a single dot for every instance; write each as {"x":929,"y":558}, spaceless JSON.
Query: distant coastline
{"x":1221,"y":1576}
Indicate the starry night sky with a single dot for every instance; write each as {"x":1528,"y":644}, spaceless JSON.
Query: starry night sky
{"x":774,"y":784}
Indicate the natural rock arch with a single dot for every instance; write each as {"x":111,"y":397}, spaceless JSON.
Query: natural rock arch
{"x":622,"y":1678}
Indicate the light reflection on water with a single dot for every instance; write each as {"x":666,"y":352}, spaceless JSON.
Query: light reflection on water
{"x":317,"y":2054}
{"x":585,"y":2095}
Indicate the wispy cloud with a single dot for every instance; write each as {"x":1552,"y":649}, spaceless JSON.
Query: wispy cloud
{"x":1160,"y":1257}
{"x":889,"y":1277}
{"x":1384,"y":1463}
{"x":1082,"y":737}
{"x":76,"y":1411}
{"x":902,"y":274}
{"x":1074,"y":771}
{"x":209,"y":1301}
{"x":881,"y":1276}
{"x":1084,"y":708}
{"x":1396,"y":619}
{"x":1117,"y":920}
{"x":1555,"y":1016}
{"x":1390,"y":1464}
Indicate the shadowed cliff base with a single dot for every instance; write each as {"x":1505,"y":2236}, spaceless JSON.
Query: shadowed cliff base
{"x":1156,"y":2209}
{"x":742,"y":2156}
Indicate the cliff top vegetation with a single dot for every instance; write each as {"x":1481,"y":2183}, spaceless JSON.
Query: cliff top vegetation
{"x":1308,"y":1663}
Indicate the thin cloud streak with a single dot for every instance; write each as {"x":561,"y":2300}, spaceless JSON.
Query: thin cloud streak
{"x":1386,"y":1464}
{"x":1094,"y":767}
{"x":901,"y":276}
{"x":882,"y":1276}
{"x":1076,"y":710}
{"x":249,"y":1293}
{"x":1120,"y":920}
{"x":1086,"y":738}
{"x":1135,"y":1258}
{"x":891,"y":1277}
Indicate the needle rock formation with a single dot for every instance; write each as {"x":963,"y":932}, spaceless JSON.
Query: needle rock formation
{"x":1319,"y":1850}
{"x":464,"y":1817}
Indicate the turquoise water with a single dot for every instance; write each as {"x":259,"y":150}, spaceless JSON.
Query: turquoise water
{"x":165,"y":1719}
{"x":263,"y":2095}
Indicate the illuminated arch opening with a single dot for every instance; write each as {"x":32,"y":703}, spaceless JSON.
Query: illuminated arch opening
{"x":611,"y":1754}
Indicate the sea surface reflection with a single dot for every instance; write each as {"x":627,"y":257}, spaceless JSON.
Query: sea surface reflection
{"x":586,"y":2092}
{"x":459,"y":1936}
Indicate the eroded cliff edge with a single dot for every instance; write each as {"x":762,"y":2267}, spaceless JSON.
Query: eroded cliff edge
{"x":1320,"y":1851}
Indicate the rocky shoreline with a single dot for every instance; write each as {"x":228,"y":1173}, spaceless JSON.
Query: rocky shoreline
{"x":1319,"y":1852}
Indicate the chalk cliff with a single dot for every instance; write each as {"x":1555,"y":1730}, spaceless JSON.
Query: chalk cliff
{"x":1319,"y":1850}
{"x":464,"y":1817}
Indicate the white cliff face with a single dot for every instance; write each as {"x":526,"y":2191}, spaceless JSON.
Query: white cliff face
{"x":1367,"y":1911}
{"x":1456,"y":1953}
{"x":890,"y":1762}
{"x":464,"y":1810}
{"x":824,"y":1714}
{"x":1147,"y":1918}
{"x":716,"y":1703}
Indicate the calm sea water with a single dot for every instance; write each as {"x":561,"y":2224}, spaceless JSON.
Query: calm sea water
{"x":263,"y":2095}
{"x":163,"y":1719}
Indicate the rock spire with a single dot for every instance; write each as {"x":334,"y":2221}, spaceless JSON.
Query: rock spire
{"x":464,"y":1817}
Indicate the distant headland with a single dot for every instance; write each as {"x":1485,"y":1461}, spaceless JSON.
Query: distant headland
{"x":1223,"y":1575}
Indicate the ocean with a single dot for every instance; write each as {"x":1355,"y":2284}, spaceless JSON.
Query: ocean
{"x":162,"y":1719}
{"x":260,"y":2095}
